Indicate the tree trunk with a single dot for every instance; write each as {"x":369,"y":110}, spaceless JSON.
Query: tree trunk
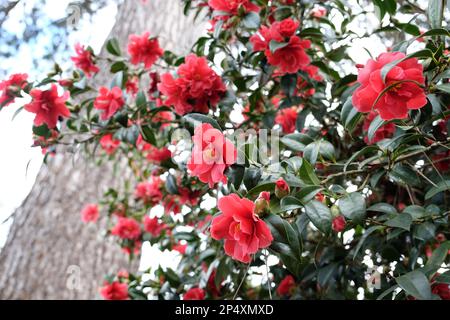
{"x":50,"y":253}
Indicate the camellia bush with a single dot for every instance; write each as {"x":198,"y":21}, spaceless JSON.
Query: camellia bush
{"x":284,"y":169}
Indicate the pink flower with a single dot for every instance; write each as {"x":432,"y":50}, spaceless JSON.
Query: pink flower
{"x":109,"y":144}
{"x":126,"y":228}
{"x":194,"y":294}
{"x":149,"y":191}
{"x":144,"y":49}
{"x":89,"y":213}
{"x":84,"y":60}
{"x":403,"y":80}
{"x":153,"y":226}
{"x":152,"y":153}
{"x":281,"y":188}
{"x":384,"y":132}
{"x":9,"y":89}
{"x":115,"y":291}
{"x":196,"y":89}
{"x":229,"y":8}
{"x":132,"y":86}
{"x":318,"y":12}
{"x":243,"y":231}
{"x":286,"y":286}
{"x":287,"y":119}
{"x":211,"y":155}
{"x":338,"y":224}
{"x":181,"y":248}
{"x":48,"y":106}
{"x":109,"y":101}
{"x":290,"y":58}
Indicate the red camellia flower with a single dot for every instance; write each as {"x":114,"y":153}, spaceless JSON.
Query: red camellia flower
{"x":287,"y":285}
{"x":48,"y":106}
{"x":338,"y":224}
{"x":84,"y":60}
{"x":211,"y":155}
{"x":109,"y":101}
{"x":196,"y":89}
{"x":132,"y":86}
{"x":144,"y":49}
{"x":243,"y":231}
{"x":149,"y":191}
{"x":9,"y":89}
{"x":318,"y":12}
{"x":230,"y":7}
{"x":152,"y":153}
{"x":194,"y":294}
{"x":281,"y":188}
{"x":89,"y":213}
{"x":442,"y":290}
{"x":289,"y":58}
{"x":126,"y":228}
{"x":115,"y":291}
{"x":153,"y":226}
{"x":109,"y":144}
{"x":403,"y":80}
{"x":384,"y":132}
{"x":181,"y":248}
{"x":287,"y":119}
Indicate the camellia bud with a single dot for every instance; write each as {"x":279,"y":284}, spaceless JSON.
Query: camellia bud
{"x":338,"y":223}
{"x":281,"y":188}
{"x":335,"y":211}
{"x":262,"y":204}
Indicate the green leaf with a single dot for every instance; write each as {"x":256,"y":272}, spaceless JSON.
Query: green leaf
{"x":275,"y":45}
{"x":118,"y":66}
{"x":290,"y":203}
{"x":416,"y":284}
{"x":440,"y":187}
{"x":402,"y":221}
{"x":404,"y":174}
{"x":252,"y":176}
{"x":148,"y":135}
{"x":349,"y":115}
{"x":251,"y":20}
{"x":308,"y":175}
{"x":353,"y":206}
{"x":435,"y":12}
{"x":363,"y":151}
{"x":444,"y":87}
{"x":436,"y":260}
{"x":235,"y":174}
{"x":113,"y":47}
{"x":286,"y":240}
{"x":444,"y":278}
{"x":42,"y":131}
{"x":141,"y":100}
{"x":366,"y":234}
{"x":308,"y":193}
{"x":383,"y":207}
{"x":296,"y":141}
{"x":263,"y":186}
{"x":196,"y":119}
{"x":416,"y":212}
{"x":319,"y":214}
{"x":376,"y":124}
{"x":424,"y":231}
{"x":171,"y":184}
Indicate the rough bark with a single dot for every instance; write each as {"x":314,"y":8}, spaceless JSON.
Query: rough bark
{"x":49,"y":253}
